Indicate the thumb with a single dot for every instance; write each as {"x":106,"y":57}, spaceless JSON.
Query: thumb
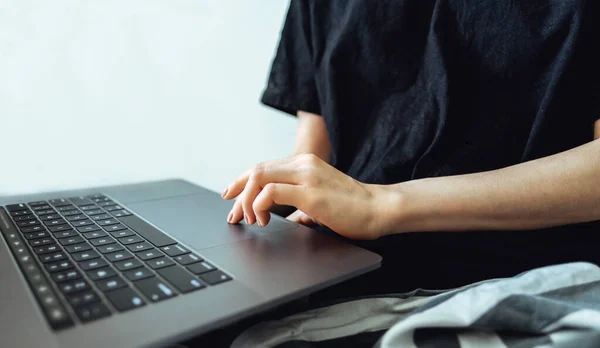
{"x":300,"y":217}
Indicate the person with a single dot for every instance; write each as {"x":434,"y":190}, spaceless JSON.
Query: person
{"x":455,"y":139}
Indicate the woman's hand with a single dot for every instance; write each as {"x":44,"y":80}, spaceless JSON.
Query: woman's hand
{"x":319,"y":191}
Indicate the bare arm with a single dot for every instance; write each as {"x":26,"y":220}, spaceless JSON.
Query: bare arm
{"x":551,"y":191}
{"x":311,"y":136}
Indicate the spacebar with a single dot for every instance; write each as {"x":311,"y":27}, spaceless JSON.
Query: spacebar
{"x":147,"y":231}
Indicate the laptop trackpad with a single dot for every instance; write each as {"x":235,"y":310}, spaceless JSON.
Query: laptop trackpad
{"x":200,"y":220}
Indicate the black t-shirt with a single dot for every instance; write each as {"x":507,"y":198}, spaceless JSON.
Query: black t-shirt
{"x":422,"y":88}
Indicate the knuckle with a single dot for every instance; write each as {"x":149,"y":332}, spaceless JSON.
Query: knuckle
{"x":270,"y":189}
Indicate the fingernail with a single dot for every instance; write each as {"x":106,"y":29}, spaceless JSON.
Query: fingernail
{"x":246,"y":219}
{"x":260,"y":224}
{"x":229,"y":216}
{"x":225,"y":192}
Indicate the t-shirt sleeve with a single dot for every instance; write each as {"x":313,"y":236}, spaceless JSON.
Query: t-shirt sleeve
{"x":291,"y":83}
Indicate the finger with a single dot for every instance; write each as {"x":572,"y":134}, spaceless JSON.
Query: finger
{"x":272,"y":194}
{"x":262,"y":175}
{"x":236,"y":213}
{"x":295,"y":216}
{"x":300,"y":217}
{"x":237,"y":186}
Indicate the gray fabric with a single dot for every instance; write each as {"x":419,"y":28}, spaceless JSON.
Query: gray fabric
{"x":557,"y":306}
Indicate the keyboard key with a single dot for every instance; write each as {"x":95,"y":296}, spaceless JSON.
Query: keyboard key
{"x":107,"y":222}
{"x":88,"y":228}
{"x":215,"y":277}
{"x":149,"y":254}
{"x":73,"y":286}
{"x":42,"y":288}
{"x":49,"y":217}
{"x":119,"y":234}
{"x":78,"y":247}
{"x":92,"y":264}
{"x":118,"y":256}
{"x":83,"y":298}
{"x":94,"y":234}
{"x":127,"y":265}
{"x":95,"y":196}
{"x":139,"y":247}
{"x":101,"y":217}
{"x":20,"y":212}
{"x":120,"y":213}
{"x":125,"y":299}
{"x":89,"y":207}
{"x":82,"y":223}
{"x":25,"y":258}
{"x":40,"y":242}
{"x":180,"y":278}
{"x":59,"y":202}
{"x":106,"y":203}
{"x":28,"y":223}
{"x":36,"y":235}
{"x":76,"y":217}
{"x":92,"y":311}
{"x":113,"y":207}
{"x":71,"y":240}
{"x":117,"y":227}
{"x":71,"y":213}
{"x":59,"y":228}
{"x":23,"y":218}
{"x":46,"y":249}
{"x":102,"y":241}
{"x":188,"y":259}
{"x":130,"y":240}
{"x":138,"y":273}
{"x":147,"y":231}
{"x":55,"y":222}
{"x":57,"y":316}
{"x":15,"y":207}
{"x":94,"y":212}
{"x":85,"y":255}
{"x":65,"y":234}
{"x":101,"y":273}
{"x":57,"y":256}
{"x":99,"y":198}
{"x":201,"y":267}
{"x":65,"y":208}
{"x":111,"y":284}
{"x":37,"y":203}
{"x":59,"y":266}
{"x":35,"y":277}
{"x":41,"y":207}
{"x":44,"y":212}
{"x":160,"y":263}
{"x":66,"y":276}
{"x":155,"y":289}
{"x":80,"y":201}
{"x":105,"y":249}
{"x":32,"y":229}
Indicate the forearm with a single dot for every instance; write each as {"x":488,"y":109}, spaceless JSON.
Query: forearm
{"x":556,"y":190}
{"x":311,"y":136}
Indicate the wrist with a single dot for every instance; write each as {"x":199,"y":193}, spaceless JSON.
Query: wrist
{"x":404,"y":207}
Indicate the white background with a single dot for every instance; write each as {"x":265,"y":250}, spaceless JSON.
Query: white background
{"x":106,"y":92}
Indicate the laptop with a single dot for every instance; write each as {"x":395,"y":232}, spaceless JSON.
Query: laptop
{"x":150,"y":264}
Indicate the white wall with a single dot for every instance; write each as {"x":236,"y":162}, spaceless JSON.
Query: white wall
{"x":101,"y":92}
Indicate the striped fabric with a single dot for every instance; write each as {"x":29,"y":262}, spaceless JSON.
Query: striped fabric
{"x":556,"y":306}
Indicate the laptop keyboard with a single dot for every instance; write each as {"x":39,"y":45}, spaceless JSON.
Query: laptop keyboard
{"x":86,"y":258}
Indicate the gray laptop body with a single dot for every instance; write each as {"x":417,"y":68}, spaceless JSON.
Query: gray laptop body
{"x":267,"y":266}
